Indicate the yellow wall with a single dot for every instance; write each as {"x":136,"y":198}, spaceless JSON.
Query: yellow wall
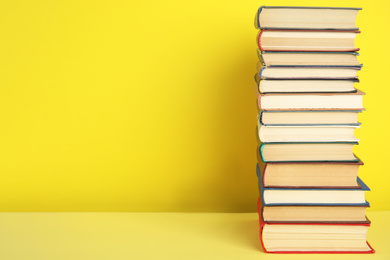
{"x":150,"y":105}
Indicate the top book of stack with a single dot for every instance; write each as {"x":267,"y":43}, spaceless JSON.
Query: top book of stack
{"x":307,"y":18}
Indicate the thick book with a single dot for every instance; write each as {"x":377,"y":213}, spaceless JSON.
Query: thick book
{"x":306,"y":72}
{"x":306,"y":85}
{"x":308,"y":117}
{"x":307,"y":40}
{"x":309,"y":238}
{"x":307,"y":133}
{"x":311,"y":101}
{"x":326,"y":196}
{"x":309,"y":174}
{"x":313,"y":18}
{"x":308,"y":152}
{"x":308,"y":59}
{"x":294,"y":238}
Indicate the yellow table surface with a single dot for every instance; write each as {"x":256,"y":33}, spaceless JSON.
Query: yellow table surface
{"x":171,"y":236}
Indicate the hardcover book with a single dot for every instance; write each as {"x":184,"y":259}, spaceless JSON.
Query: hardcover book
{"x":325,"y":196}
{"x":307,"y":133}
{"x":314,"y":18}
{"x":300,"y":40}
{"x":305,"y":72}
{"x":309,"y":59}
{"x":308,"y":152}
{"x":312,"y":214}
{"x":300,"y":238}
{"x":309,"y":117}
{"x":306,"y":85}
{"x":312,"y":101}
{"x":309,"y":174}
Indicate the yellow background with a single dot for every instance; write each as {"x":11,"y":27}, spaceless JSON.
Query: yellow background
{"x":150,"y":105}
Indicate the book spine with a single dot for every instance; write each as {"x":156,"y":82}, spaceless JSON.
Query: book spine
{"x":260,"y":56}
{"x":263,"y":173}
{"x":261,"y":117}
{"x":259,"y":88}
{"x":260,"y":183}
{"x":261,"y":152}
{"x":259,"y":40}
{"x":261,"y":72}
{"x":259,"y":100}
{"x":258,"y":17}
{"x":262,"y":167}
{"x":260,"y":133}
{"x":262,"y":224}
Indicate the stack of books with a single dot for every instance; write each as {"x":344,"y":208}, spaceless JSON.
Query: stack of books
{"x":312,"y":200}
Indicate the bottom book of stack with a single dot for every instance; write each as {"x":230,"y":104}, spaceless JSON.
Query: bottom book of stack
{"x":290,"y":221}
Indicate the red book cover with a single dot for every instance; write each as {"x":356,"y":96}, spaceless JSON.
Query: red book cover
{"x":262,"y":224}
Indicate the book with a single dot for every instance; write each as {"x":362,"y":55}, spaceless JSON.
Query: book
{"x":312,"y":196}
{"x":307,"y":152}
{"x":299,"y":40}
{"x":315,"y":214}
{"x":309,"y":117}
{"x":308,"y":59}
{"x":316,"y":18}
{"x":300,"y":238}
{"x":306,"y":72}
{"x":309,"y":174}
{"x":312,"y":214}
{"x":311,"y":101}
{"x":306,"y":85}
{"x":307,"y":133}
